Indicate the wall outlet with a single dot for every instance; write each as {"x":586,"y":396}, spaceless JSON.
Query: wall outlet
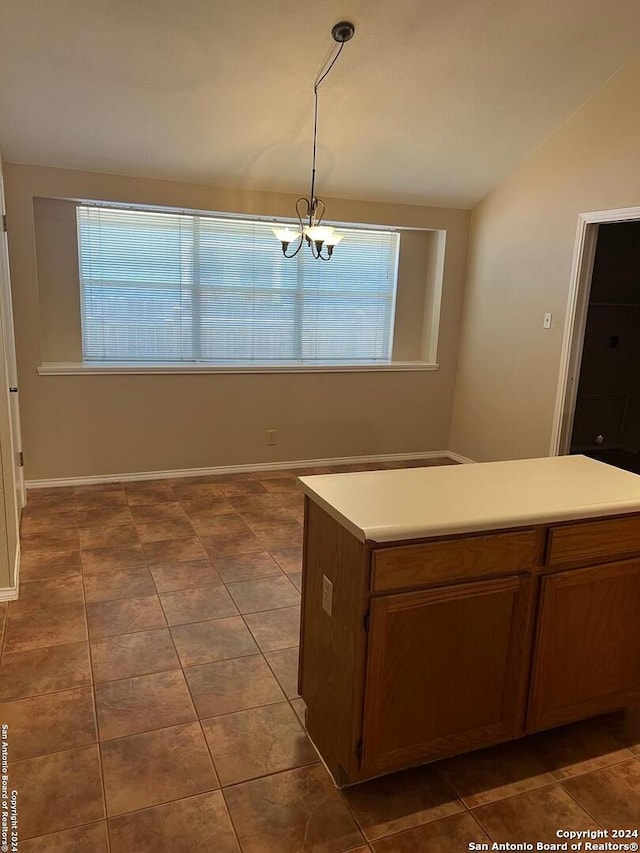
{"x":272,"y":437}
{"x":327,"y":595}
{"x":548,"y":317}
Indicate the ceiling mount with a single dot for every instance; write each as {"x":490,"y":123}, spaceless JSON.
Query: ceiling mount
{"x":343,"y":31}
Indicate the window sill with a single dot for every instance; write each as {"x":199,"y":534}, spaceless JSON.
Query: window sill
{"x":80,"y":369}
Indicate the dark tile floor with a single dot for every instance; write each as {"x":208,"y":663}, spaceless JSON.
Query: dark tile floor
{"x":148,"y":678}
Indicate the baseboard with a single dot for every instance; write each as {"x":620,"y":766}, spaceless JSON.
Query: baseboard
{"x":10,"y":593}
{"x":457,"y":457}
{"x":241,"y":469}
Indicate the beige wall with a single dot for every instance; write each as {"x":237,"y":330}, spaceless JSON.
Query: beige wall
{"x":413,"y":271}
{"x":56,"y":239}
{"x":520,"y":257}
{"x":93,"y":425}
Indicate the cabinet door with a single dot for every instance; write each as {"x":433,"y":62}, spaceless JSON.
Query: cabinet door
{"x":446,"y":671}
{"x":587,"y":658}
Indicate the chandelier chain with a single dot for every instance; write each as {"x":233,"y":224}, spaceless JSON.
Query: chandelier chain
{"x":318,"y":81}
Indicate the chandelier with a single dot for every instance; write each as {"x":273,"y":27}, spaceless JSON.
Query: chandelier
{"x":310,"y":209}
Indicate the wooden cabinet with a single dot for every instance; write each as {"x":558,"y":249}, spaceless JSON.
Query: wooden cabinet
{"x":587,"y":649}
{"x":446,"y":671}
{"x":439,"y":646}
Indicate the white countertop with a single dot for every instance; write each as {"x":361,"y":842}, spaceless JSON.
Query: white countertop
{"x":411,"y":503}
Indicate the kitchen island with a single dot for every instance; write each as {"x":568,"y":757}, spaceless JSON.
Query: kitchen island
{"x":445,"y":609}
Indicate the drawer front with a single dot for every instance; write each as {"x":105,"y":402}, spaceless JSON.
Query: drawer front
{"x":594,"y":540}
{"x":410,"y":566}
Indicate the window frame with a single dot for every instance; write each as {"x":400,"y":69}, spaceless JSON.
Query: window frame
{"x":97,"y":366}
{"x":74,"y":368}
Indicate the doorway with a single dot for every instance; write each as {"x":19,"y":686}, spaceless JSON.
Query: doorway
{"x":599,"y":391}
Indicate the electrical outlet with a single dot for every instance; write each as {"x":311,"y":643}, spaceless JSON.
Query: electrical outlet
{"x":272,"y":437}
{"x":548,"y":317}
{"x":327,"y":595}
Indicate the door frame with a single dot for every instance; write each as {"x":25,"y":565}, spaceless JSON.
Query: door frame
{"x":9,"y":353}
{"x":576,"y":320}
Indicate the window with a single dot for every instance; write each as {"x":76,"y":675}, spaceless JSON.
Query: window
{"x":176,"y":287}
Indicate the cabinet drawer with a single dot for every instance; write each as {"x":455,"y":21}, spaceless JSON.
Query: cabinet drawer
{"x":593,"y":540}
{"x":472,"y":557}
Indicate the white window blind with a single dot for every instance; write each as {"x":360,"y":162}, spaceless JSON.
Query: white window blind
{"x":174,"y":287}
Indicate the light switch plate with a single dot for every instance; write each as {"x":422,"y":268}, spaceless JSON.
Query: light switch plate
{"x":548,"y":317}
{"x":327,"y":595}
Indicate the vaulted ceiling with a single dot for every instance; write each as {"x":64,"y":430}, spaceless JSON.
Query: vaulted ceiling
{"x":432,"y":102}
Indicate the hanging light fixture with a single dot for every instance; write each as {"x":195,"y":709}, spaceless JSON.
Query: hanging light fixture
{"x":310,"y":210}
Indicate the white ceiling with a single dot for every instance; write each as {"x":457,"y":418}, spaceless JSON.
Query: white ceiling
{"x":434,"y":101}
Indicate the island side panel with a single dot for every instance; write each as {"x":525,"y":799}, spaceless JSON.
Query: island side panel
{"x":333,"y":648}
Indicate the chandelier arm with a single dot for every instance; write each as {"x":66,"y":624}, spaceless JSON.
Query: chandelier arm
{"x":301,"y":238}
{"x":307,"y":213}
{"x":299,"y":246}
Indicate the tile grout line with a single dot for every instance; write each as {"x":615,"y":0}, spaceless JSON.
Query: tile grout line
{"x":67,"y":829}
{"x":597,"y":770}
{"x":167,"y":627}
{"x":261,"y":653}
{"x":371,"y":841}
{"x":95,"y":710}
{"x":199,"y":721}
{"x":581,"y":807}
{"x":95,"y":718}
{"x":345,"y":801}
{"x":227,"y":811}
{"x":225,"y":583}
